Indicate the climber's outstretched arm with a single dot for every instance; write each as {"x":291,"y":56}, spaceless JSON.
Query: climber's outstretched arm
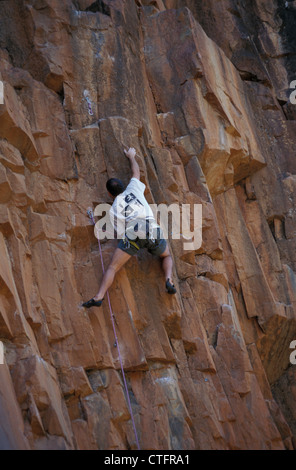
{"x":131,"y":155}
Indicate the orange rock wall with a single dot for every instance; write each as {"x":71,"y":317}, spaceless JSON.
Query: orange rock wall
{"x":201,"y":90}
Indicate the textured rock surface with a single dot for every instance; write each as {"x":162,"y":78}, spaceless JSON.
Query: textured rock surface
{"x":201,"y":90}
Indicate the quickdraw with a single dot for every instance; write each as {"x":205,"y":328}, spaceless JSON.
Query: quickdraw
{"x":87,"y":98}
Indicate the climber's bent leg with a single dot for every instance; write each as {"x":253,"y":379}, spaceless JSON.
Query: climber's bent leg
{"x":118,"y":260}
{"x":167,"y":266}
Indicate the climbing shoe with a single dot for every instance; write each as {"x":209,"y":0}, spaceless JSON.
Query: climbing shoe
{"x":92,"y":303}
{"x":170,"y":287}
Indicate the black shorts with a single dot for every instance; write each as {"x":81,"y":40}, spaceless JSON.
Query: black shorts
{"x":132,"y":247}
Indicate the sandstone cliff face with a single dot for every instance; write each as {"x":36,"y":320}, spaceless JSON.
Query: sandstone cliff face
{"x":201,"y":90}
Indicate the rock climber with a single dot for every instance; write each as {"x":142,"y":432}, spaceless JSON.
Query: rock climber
{"x":135,"y":224}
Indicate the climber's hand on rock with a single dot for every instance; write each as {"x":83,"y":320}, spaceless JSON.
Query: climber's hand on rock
{"x":130,"y":153}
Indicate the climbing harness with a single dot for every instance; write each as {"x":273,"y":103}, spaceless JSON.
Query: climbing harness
{"x":116,"y":344}
{"x":127,"y":243}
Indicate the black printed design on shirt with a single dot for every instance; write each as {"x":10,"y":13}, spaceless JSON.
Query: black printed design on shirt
{"x":132,"y":198}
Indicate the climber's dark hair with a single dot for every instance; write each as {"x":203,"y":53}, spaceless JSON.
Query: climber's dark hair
{"x":115,"y":186}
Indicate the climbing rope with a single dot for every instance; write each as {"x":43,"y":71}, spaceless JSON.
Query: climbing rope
{"x":91,"y":216}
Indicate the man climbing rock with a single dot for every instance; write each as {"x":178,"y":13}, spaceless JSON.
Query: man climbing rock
{"x":134,"y":223}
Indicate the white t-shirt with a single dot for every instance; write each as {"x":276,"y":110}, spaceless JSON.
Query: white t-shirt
{"x":131,"y":214}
